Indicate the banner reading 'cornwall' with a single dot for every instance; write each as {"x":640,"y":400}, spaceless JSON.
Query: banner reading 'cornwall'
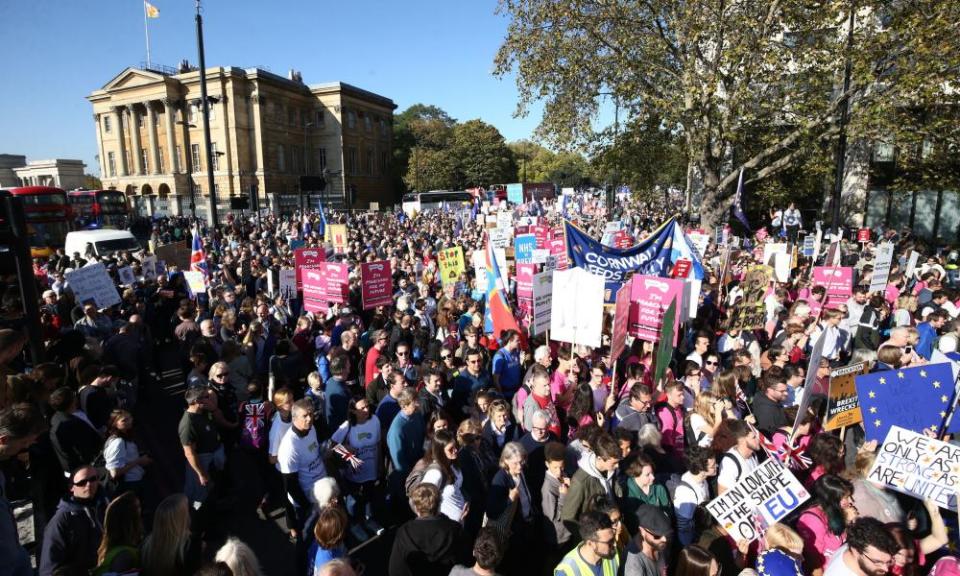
{"x":652,"y":256}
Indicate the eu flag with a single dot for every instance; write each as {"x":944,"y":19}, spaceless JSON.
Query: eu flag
{"x":913,"y":398}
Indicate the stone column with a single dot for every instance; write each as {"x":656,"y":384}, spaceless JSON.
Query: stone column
{"x":169,"y":113}
{"x":102,"y":154}
{"x":121,"y":140}
{"x":152,"y":135}
{"x":135,"y":139}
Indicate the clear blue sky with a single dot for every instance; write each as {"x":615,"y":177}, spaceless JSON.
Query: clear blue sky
{"x":56,"y":52}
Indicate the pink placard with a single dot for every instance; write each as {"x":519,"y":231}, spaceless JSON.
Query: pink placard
{"x":336,"y":283}
{"x":837,"y":280}
{"x":650,"y":296}
{"x":308,"y":258}
{"x":314,"y":295}
{"x":558,"y":249}
{"x":540,"y":232}
{"x":525,"y":272}
{"x":620,"y":320}
{"x":376,"y":284}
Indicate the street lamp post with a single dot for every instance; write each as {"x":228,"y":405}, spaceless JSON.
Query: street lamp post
{"x":189,"y":167}
{"x":205,"y":108}
{"x":306,"y":127}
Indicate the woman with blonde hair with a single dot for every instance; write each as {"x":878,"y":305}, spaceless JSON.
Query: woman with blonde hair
{"x":905,"y":309}
{"x":122,"y":534}
{"x":239,"y":557}
{"x":708,"y":413}
{"x":169,"y":550}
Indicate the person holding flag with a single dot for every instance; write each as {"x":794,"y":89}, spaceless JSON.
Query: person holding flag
{"x":198,"y":258}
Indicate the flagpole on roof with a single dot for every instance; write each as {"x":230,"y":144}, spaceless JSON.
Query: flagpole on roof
{"x":146,"y":31}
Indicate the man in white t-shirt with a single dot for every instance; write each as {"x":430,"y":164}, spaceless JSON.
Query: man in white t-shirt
{"x":300,"y":457}
{"x":869,"y":550}
{"x":739,"y":460}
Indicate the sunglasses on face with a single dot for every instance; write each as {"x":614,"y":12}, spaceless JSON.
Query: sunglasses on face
{"x":84,"y":481}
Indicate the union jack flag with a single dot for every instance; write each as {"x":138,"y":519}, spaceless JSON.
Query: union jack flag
{"x":198,"y":258}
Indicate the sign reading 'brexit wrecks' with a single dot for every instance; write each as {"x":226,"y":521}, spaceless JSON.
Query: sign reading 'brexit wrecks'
{"x":918,"y":465}
{"x":843,"y":404}
{"x":763,"y":497}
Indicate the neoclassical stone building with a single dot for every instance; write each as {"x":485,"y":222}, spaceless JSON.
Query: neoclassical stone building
{"x":266,"y":132}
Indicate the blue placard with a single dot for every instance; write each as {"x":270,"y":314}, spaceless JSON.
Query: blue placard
{"x":523,"y":247}
{"x":808,"y":244}
{"x":515,"y":193}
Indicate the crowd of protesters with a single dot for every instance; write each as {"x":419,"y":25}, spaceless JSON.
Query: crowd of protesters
{"x":474,"y":453}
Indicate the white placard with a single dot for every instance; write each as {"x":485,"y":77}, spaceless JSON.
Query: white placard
{"x":691,"y":298}
{"x":540,"y":255}
{"x":576,"y":314}
{"x":126,"y":276}
{"x":271,"y":286}
{"x":919,"y":466}
{"x":92,"y":282}
{"x":500,"y":237}
{"x":542,"y":302}
{"x":881,"y":268}
{"x":505,"y":220}
{"x":699,"y":242}
{"x":773,"y":248}
{"x":912,"y":263}
{"x":479,"y":261}
{"x":288,"y":283}
{"x":195,"y":282}
{"x":761,"y":498}
{"x":781,"y":266}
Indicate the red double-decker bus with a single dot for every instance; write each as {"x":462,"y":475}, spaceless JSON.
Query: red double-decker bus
{"x":48,"y":217}
{"x":99,"y":208}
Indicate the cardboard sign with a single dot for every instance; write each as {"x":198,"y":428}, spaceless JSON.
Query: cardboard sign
{"x":622,"y":240}
{"x":525,"y":274}
{"x":749,"y":313}
{"x":621,"y":317}
{"x":92,"y":283}
{"x":451,"y":265}
{"x":126,"y":275}
{"x":542,"y":302}
{"x":770,"y":249}
{"x":843,"y":404}
{"x":838,"y":281}
{"x":863,"y":235}
{"x":523,"y":247}
{"x":338,"y":237}
{"x":176,"y":254}
{"x":288,"y":283}
{"x":919,"y":466}
{"x":576,"y":315}
{"x":505,"y":221}
{"x":500,"y":237}
{"x":376,"y":283}
{"x":479,"y":262}
{"x":760,"y":499}
{"x":681,"y":269}
{"x":539,"y":255}
{"x":196,"y":282}
{"x":881,"y":268}
{"x":808,"y":246}
{"x":699,"y":241}
{"x":308,"y":259}
{"x":314,"y":297}
{"x":336,"y":282}
{"x":650,"y":297}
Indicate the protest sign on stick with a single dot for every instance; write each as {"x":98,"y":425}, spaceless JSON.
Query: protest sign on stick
{"x":376,"y":284}
{"x":881,"y":267}
{"x":577,"y":312}
{"x":650,"y":297}
{"x":308,"y":259}
{"x":542,"y":302}
{"x":843,"y":404}
{"x":92,"y":283}
{"x":760,"y":499}
{"x":919,"y":466}
{"x":451,"y":265}
{"x":749,"y":313}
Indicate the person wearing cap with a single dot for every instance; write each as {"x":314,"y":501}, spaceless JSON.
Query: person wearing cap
{"x":646,"y":550}
{"x":597,"y":553}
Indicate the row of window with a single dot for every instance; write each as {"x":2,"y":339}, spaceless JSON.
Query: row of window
{"x":367,"y":165}
{"x":145,"y":160}
{"x":193,"y":117}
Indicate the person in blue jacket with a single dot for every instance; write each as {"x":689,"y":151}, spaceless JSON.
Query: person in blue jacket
{"x":336,"y":397}
{"x":405,"y":440}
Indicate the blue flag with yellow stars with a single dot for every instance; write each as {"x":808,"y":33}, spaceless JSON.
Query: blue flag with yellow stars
{"x":913,"y":398}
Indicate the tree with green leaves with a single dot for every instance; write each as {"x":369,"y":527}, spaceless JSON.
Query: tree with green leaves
{"x":482,"y":155}
{"x":418,"y":132}
{"x":744,"y":85}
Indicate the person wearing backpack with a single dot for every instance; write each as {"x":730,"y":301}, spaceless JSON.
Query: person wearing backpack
{"x":691,"y":490}
{"x":741,"y":458}
{"x":670,"y":413}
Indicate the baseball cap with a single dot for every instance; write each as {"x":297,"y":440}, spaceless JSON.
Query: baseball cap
{"x":653,"y":520}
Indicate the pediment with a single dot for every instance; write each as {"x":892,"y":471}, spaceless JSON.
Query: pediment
{"x":133,"y":77}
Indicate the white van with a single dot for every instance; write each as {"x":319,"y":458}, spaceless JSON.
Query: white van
{"x":105,"y":242}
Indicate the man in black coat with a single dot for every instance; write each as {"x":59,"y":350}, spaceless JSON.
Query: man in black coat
{"x":71,"y":539}
{"x":74,"y":439}
{"x":430,"y":544}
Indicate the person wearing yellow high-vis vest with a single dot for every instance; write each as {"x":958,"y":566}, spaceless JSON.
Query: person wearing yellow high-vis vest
{"x":597,"y":554}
